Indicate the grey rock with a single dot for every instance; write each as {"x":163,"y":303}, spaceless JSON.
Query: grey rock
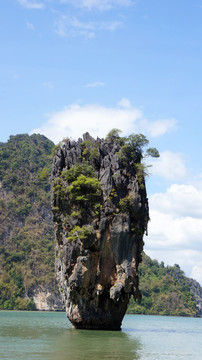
{"x":97,"y":270}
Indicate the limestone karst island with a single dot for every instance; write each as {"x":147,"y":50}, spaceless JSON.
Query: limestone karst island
{"x":100,"y":213}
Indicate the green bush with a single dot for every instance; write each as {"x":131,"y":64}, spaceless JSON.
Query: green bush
{"x":80,"y":232}
{"x":85,"y":189}
{"x":78,"y":169}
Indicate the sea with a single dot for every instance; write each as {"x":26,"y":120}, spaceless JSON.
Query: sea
{"x":50,"y":336}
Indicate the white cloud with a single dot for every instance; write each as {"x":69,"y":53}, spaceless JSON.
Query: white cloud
{"x":71,"y":26}
{"x":75,"y":120}
{"x":197,"y":180}
{"x":95,"y":84}
{"x":101,"y":5}
{"x":197,"y":272}
{"x":159,"y":127}
{"x":175,"y":229}
{"x":31,"y":4}
{"x":125,"y":103}
{"x":169,"y":165}
{"x":168,"y":231}
{"x":180,"y":201}
{"x":98,"y":120}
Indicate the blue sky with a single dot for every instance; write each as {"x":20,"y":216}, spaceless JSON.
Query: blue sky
{"x":67,"y":67}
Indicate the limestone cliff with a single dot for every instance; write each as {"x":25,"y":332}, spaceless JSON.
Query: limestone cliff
{"x":100,"y":212}
{"x":45,"y":299}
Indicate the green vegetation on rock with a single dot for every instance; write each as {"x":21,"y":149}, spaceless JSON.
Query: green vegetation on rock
{"x":82,"y":232}
{"x":78,"y":169}
{"x":90,"y":150}
{"x":132,"y":146}
{"x":83,"y":191}
{"x":132,"y":151}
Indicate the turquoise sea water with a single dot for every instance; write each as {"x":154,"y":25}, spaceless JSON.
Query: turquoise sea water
{"x":49,"y":336}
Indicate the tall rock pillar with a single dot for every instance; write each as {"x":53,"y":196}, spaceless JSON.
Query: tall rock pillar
{"x":100,"y":212}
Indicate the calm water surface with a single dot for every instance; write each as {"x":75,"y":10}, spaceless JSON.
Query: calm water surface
{"x":49,"y":336}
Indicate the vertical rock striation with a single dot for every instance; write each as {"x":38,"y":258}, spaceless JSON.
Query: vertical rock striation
{"x":100,"y":212}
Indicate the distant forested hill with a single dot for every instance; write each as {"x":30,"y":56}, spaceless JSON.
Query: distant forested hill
{"x":27,"y":240}
{"x":26,"y":232}
{"x":166,"y":291}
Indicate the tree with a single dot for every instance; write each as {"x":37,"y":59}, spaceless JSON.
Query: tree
{"x":133,"y":145}
{"x":113,"y":134}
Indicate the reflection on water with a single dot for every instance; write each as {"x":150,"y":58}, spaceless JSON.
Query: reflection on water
{"x":37,"y":336}
{"x":94,"y":345}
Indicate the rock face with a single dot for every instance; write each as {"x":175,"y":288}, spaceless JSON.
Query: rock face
{"x":46,"y":300}
{"x":100,"y":212}
{"x":196,"y":289}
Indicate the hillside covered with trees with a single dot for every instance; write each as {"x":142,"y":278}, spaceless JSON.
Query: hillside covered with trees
{"x":26,"y":233}
{"x":27,"y":238}
{"x":165,"y":291}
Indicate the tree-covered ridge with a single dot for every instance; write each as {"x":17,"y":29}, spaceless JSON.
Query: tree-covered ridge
{"x":25,"y":162}
{"x":26,"y":234}
{"x":165,"y":291}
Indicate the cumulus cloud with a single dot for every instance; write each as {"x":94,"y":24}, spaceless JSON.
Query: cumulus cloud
{"x":159,"y":127}
{"x":101,"y":5}
{"x":177,"y":232}
{"x":180,"y":201}
{"x":71,"y":26}
{"x":175,"y":229}
{"x":171,"y":166}
{"x":31,"y":4}
{"x":98,"y":120}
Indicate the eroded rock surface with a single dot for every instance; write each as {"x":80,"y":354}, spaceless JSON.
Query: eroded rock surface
{"x":100,"y":213}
